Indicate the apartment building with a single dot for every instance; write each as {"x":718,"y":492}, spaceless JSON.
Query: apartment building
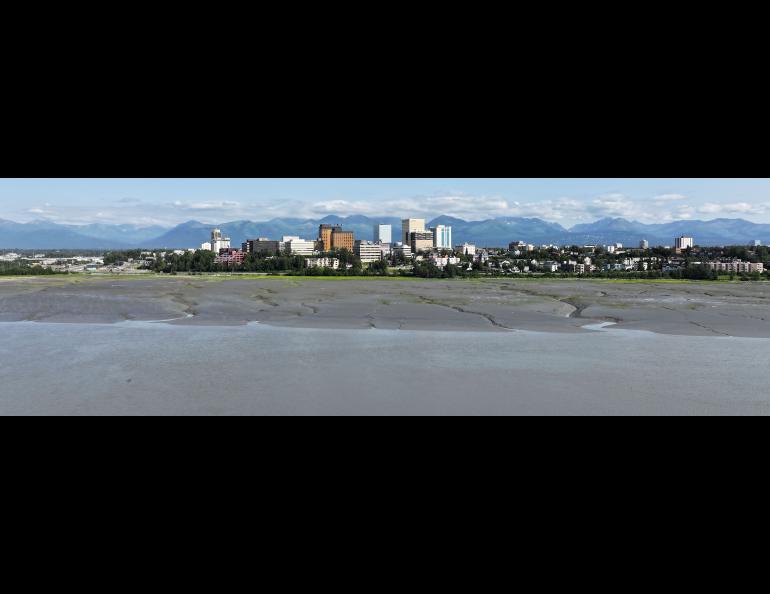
{"x":682,"y":243}
{"x":736,"y":266}
{"x":333,"y":263}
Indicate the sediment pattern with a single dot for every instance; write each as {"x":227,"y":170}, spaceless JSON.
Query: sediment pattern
{"x":703,"y":309}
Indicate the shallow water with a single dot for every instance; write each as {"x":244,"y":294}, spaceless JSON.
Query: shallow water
{"x":146,"y":368}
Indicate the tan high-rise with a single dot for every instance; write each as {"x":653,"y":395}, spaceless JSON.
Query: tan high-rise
{"x":325,"y":236}
{"x":342,"y":239}
{"x":409,"y":226}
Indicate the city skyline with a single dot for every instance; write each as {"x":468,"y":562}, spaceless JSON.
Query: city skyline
{"x":169,"y":202}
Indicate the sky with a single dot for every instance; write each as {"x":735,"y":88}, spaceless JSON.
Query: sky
{"x":168,"y":202}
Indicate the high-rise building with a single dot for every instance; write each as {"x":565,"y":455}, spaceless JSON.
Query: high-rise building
{"x":342,"y":239}
{"x":383,"y":234}
{"x":421,"y":241}
{"x":409,"y":226}
{"x":218,"y":242}
{"x":644,"y":244}
{"x":325,"y":235}
{"x":442,"y":237}
{"x":682,"y":243}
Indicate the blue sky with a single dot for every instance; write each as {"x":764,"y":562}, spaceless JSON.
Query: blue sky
{"x":168,"y":202}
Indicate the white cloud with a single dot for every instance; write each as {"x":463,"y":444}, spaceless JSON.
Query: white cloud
{"x":614,"y":205}
{"x":566,"y":210}
{"x":220,"y":205}
{"x":663,"y":198}
{"x":732,"y":208}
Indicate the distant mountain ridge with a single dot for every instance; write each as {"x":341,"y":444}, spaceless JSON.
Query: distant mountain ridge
{"x":706,"y":233}
{"x":490,"y":233}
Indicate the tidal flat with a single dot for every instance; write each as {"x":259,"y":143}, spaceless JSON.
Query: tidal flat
{"x":295,"y":346}
{"x":740,"y":309}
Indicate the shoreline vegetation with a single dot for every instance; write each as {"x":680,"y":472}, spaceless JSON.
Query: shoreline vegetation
{"x":37,"y":272}
{"x":499,"y":263}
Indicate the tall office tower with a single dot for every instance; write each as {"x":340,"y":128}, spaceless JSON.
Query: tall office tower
{"x":682,"y":243}
{"x":218,"y":242}
{"x":342,"y":239}
{"x":409,"y":226}
{"x":442,"y":237}
{"x":383,"y":234}
{"x":325,"y":236}
{"x":644,"y":244}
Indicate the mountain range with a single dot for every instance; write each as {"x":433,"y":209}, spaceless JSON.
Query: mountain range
{"x":492,"y":232}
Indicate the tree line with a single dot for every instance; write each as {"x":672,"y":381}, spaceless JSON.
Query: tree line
{"x":14,"y":269}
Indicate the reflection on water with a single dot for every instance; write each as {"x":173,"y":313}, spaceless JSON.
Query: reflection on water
{"x":151,"y":368}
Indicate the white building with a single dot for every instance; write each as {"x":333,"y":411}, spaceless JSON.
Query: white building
{"x":442,"y":261}
{"x":682,"y":243}
{"x":409,"y":226}
{"x":218,"y":242}
{"x":736,"y":266}
{"x":383,"y":234}
{"x":467,"y":248}
{"x":549,"y":266}
{"x":644,"y":244}
{"x":403,"y":249}
{"x":442,"y":237}
{"x":333,"y":263}
{"x":297,"y":246}
{"x":367,"y":251}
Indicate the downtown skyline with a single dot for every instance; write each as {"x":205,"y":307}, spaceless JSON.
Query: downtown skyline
{"x":169,"y":202}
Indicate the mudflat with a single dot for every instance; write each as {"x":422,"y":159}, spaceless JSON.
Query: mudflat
{"x":740,"y":309}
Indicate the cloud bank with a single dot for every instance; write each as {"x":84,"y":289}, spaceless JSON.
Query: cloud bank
{"x":565,"y":210}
